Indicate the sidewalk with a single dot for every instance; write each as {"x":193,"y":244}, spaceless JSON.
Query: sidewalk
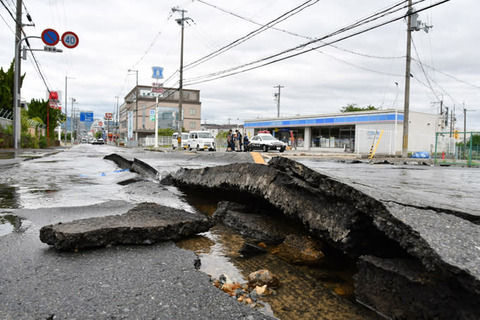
{"x":10,"y":157}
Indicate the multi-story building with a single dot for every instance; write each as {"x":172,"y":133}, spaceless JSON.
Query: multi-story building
{"x":139,"y":123}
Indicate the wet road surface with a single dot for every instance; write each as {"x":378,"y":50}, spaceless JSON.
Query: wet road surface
{"x":37,"y":282}
{"x":158,"y":281}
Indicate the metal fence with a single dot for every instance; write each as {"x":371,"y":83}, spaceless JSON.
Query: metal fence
{"x":6,"y":114}
{"x":6,"y":117}
{"x":457,"y":148}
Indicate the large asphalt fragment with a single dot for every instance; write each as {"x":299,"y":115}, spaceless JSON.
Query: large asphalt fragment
{"x":445,"y":244}
{"x":135,"y":165}
{"x":147,"y":223}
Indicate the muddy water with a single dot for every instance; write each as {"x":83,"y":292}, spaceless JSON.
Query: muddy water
{"x":324,"y":292}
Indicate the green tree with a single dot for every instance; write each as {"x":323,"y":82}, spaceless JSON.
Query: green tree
{"x":476,"y":139}
{"x":165,"y":132}
{"x":38,"y":109}
{"x":352,"y":107}
{"x":98,"y":134}
{"x":6,"y":87}
{"x":222,"y":135}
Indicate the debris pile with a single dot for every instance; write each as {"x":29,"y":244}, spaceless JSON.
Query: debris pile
{"x":260,"y":283}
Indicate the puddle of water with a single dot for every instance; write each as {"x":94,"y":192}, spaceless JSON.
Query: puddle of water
{"x":8,"y":197}
{"x":322,"y":292}
{"x":10,"y":223}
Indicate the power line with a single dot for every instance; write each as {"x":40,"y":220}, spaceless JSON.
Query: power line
{"x":373,"y":17}
{"x":359,"y":67}
{"x":159,"y":33}
{"x":253,"y":33}
{"x":298,"y":35}
{"x":6,"y":23}
{"x":423,"y":70}
{"x":451,"y":76}
{"x":370,"y":18}
{"x":8,"y":10}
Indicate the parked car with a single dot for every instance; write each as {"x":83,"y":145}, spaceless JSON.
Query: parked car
{"x":99,"y":141}
{"x":201,"y":140}
{"x":184,"y":140}
{"x":266,"y":142}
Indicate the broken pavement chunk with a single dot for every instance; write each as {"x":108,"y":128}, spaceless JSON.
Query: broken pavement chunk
{"x":147,"y":223}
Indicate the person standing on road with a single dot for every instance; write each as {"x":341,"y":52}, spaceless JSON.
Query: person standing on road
{"x":236,"y":144}
{"x":229,"y":140}
{"x":239,"y":138}
{"x":245,"y":142}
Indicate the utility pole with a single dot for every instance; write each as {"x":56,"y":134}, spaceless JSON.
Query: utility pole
{"x":406,"y":106}
{"x":136,"y":103}
{"x":464,"y":128}
{"x":17,"y":77}
{"x":181,"y":22}
{"x":117,"y":126}
{"x":413,"y":24}
{"x":66,"y":106}
{"x":72,"y":113}
{"x":277,"y":95}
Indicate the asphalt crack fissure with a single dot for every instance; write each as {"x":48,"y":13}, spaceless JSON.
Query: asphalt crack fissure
{"x":462,"y":215}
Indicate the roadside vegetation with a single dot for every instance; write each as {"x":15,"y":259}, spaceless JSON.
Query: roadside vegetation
{"x":33,"y":117}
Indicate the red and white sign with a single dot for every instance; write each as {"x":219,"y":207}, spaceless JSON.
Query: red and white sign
{"x":53,"y":100}
{"x":108,"y":116}
{"x":50,"y":37}
{"x":157,"y":90}
{"x":100,"y":124}
{"x":70,"y":39}
{"x":54,"y":104}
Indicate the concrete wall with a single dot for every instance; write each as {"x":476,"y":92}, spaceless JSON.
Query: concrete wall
{"x":421,"y":131}
{"x":5,"y":122}
{"x":368,"y":134}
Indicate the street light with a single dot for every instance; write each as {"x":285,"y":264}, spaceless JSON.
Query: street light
{"x":66,"y":105}
{"x":136,"y":104}
{"x":71,"y":121}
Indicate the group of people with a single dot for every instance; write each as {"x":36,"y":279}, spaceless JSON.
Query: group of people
{"x":236,"y":141}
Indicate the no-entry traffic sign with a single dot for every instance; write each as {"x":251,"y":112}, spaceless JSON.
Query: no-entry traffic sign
{"x":70,"y":39}
{"x":50,"y":37}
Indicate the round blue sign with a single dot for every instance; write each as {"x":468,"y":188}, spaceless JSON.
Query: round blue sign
{"x":50,"y":37}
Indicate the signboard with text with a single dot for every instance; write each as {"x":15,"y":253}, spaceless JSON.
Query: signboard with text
{"x":86,"y":116}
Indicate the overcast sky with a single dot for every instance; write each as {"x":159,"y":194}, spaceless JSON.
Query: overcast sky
{"x":119,"y":35}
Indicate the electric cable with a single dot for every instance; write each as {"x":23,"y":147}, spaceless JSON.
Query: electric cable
{"x":6,"y":23}
{"x":299,"y":35}
{"x":252,"y":34}
{"x":8,"y":10}
{"x":223,"y":75}
{"x":366,"y":20}
{"x":419,"y":62}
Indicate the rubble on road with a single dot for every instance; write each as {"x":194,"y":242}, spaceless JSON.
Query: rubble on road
{"x":147,"y":223}
{"x":359,"y":220}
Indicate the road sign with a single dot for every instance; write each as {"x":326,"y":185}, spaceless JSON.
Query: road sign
{"x":50,"y":37}
{"x":152,"y":115}
{"x":70,"y":39}
{"x":86,"y":116}
{"x":108,"y":116}
{"x":157,"y":72}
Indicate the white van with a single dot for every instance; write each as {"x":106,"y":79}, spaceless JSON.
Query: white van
{"x":201,"y":140}
{"x":184,"y":140}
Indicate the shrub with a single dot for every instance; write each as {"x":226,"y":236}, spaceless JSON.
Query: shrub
{"x":42,"y":142}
